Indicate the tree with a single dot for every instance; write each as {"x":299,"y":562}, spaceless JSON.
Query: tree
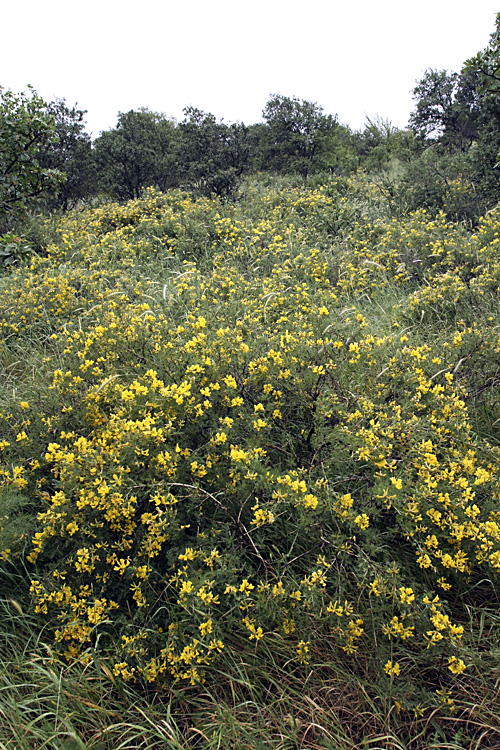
{"x":71,"y":153}
{"x":485,"y":156}
{"x":447,"y":109}
{"x":341,"y":155}
{"x":211,"y":155}
{"x":298,"y":135}
{"x":381,"y":145}
{"x":458,"y":116}
{"x":138,"y":153}
{"x":486,"y":64}
{"x":27,"y":129}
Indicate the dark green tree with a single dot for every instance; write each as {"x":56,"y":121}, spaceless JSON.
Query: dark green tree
{"x":211,"y":155}
{"x":447,"y":109}
{"x":434,"y":95}
{"x":298,"y":136}
{"x":486,"y":64}
{"x":459,"y":119}
{"x":27,"y":129}
{"x":71,"y":153}
{"x":485,"y":156}
{"x":381,"y":145}
{"x":257,"y":145}
{"x":138,"y":153}
{"x":341,"y":157}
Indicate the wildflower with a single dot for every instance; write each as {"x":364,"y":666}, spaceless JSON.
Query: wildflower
{"x":392,"y":670}
{"x":362,"y":521}
{"x":303,"y":652}
{"x":406,"y":595}
{"x":455,"y":665}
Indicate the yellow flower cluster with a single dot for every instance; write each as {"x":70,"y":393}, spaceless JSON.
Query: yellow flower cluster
{"x":229,"y":430}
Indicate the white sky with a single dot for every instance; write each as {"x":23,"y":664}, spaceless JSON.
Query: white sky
{"x":353,"y":57}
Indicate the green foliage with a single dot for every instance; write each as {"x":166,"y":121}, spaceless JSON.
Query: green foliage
{"x":211,"y":156}
{"x":342,"y":156}
{"x":441,"y":182}
{"x":246,"y":442}
{"x":138,"y":153}
{"x":70,"y":153}
{"x":446,"y":109}
{"x":459,"y":114}
{"x":26,"y":130}
{"x":381,"y":146}
{"x":13,"y":250}
{"x":238,"y":445}
{"x":16,"y":517}
{"x":298,"y":135}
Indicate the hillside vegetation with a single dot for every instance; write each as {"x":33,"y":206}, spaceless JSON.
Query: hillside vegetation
{"x":250,"y":475}
{"x":250,"y":426}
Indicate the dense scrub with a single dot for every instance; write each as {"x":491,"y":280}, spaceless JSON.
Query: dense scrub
{"x":268,"y":430}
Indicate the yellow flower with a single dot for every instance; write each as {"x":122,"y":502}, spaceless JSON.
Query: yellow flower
{"x":392,"y":671}
{"x":362,"y":521}
{"x":259,"y":424}
{"x":406,"y":595}
{"x":374,"y":587}
{"x":456,"y":665}
{"x":303,"y":651}
{"x":205,"y":627}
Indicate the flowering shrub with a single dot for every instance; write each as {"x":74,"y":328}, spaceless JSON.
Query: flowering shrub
{"x":227,"y":435}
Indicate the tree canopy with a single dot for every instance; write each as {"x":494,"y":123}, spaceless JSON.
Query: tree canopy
{"x":136,"y":154}
{"x":27,"y":130}
{"x":211,"y":155}
{"x":297,"y":135}
{"x":446,"y":109}
{"x":452,"y":141}
{"x":69,"y":152}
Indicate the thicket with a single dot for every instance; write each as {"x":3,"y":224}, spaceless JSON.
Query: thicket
{"x":249,"y":455}
{"x":268,"y":426}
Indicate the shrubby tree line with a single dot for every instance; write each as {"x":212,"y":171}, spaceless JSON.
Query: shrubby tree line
{"x":446,"y":159}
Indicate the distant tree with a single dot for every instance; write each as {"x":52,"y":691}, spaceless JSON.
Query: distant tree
{"x":447,"y":109}
{"x":341,"y":154}
{"x":27,"y":129}
{"x":486,"y":64}
{"x":136,"y":154}
{"x":457,"y":120}
{"x":257,"y":145}
{"x":485,"y":152}
{"x":374,"y":143}
{"x":485,"y":156}
{"x":71,"y":153}
{"x":380,"y":145}
{"x":298,"y":135}
{"x":211,"y":155}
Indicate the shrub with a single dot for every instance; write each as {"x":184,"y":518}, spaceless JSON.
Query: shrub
{"x":248,"y":444}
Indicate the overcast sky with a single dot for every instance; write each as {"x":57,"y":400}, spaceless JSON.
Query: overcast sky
{"x":355,"y":58}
